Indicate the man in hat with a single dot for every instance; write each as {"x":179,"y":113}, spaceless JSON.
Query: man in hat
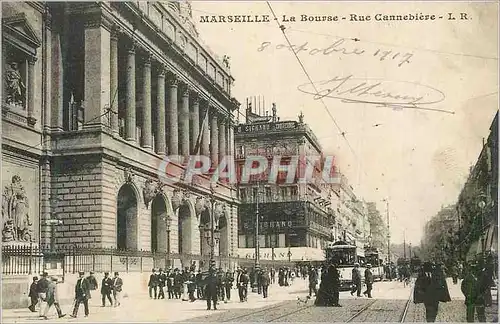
{"x":52,"y":299}
{"x":117,"y":289}
{"x":211,"y":288}
{"x":162,"y":279}
{"x":229,"y":284}
{"x":356,"y":280}
{"x":153,"y":284}
{"x":106,"y":288}
{"x":92,"y":282}
{"x":33,"y":294}
{"x":41,"y":287}
{"x":82,"y":293}
{"x":368,"y":281}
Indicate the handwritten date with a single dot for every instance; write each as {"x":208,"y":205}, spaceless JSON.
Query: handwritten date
{"x":344,"y":46}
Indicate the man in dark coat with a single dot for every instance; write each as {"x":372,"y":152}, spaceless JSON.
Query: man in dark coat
{"x":153,"y":284}
{"x":177,"y":283}
{"x":117,"y":289}
{"x":221,"y":280}
{"x":243,"y":281}
{"x":199,"y":285}
{"x":82,"y":294}
{"x":162,"y":279}
{"x":430,"y":289}
{"x":106,"y":288}
{"x":42,"y":287}
{"x":313,"y":281}
{"x":356,"y":280}
{"x":211,"y":288}
{"x":265,"y":280}
{"x":92,"y":281}
{"x":473,"y":287}
{"x":170,"y":284}
{"x":368,"y":281}
{"x":229,"y":284}
{"x":33,"y":294}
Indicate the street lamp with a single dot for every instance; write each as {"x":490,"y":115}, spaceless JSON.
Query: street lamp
{"x":257,"y":241}
{"x":168,"y":223}
{"x":210,"y":232}
{"x":388,"y":232}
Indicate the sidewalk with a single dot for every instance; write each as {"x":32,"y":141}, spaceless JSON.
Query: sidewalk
{"x":141,"y":308}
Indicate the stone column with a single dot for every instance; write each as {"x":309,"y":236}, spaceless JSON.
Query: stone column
{"x":31,"y":92}
{"x":195,"y":123}
{"x":47,"y":77}
{"x":231,"y":138}
{"x":222,"y":138}
{"x":97,"y":74}
{"x":130,"y":127}
{"x":184,"y":122}
{"x":173,"y":136}
{"x":205,"y":139}
{"x":214,"y":139}
{"x":113,"y":101}
{"x":57,"y":81}
{"x":146,"y":103}
{"x":160,"y":112}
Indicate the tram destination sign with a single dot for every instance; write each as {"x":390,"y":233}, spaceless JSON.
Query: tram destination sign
{"x":257,"y":128}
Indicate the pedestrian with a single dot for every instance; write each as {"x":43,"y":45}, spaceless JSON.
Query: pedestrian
{"x":430,"y":289}
{"x":161,"y":281}
{"x":243,"y":281}
{"x":356,"y":280}
{"x":273,"y":276}
{"x":368,"y":281}
{"x":153,"y":284}
{"x":33,"y":294}
{"x":199,"y":285}
{"x":106,"y":288}
{"x":41,"y":288}
{"x":229,"y":284}
{"x":82,"y":293}
{"x":221,"y":285}
{"x":265,"y":280}
{"x":92,"y":281}
{"x":52,"y":299}
{"x":177,"y":283}
{"x":191,"y":286}
{"x":117,"y":289}
{"x":474,"y":295}
{"x":170,"y":284}
{"x":211,"y":286}
{"x":313,"y":282}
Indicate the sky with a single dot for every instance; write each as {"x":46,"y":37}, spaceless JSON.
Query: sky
{"x":415,"y":155}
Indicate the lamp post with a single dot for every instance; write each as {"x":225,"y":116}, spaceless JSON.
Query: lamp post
{"x":168,"y":222}
{"x":482,"y":204}
{"x":211,"y":233}
{"x":388,"y":233}
{"x":257,"y":241}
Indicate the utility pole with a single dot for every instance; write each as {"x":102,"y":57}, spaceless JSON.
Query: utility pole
{"x":388,"y":233}
{"x":404,"y":244}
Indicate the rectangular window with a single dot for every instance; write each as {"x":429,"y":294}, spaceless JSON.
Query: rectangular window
{"x":242,"y":241}
{"x":243,"y":194}
{"x":294,"y":192}
{"x":269,"y":196}
{"x":281,"y":240}
{"x":250,"y":241}
{"x":274,"y":240}
{"x":283,"y":193}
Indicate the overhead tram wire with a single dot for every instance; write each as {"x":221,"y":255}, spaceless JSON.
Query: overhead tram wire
{"x":282,"y":28}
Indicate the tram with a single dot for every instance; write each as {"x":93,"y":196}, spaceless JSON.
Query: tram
{"x":344,"y":256}
{"x":373,"y":257}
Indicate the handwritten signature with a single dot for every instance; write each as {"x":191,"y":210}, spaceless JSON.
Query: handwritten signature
{"x":344,"y":46}
{"x":380,"y":92}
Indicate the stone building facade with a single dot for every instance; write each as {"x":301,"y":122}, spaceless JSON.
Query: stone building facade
{"x":95,"y":96}
{"x":295,"y":218}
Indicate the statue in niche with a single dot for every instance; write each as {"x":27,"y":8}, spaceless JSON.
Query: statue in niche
{"x":14,"y":86}
{"x":15,"y":213}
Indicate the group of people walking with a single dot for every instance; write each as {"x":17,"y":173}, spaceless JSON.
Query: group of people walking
{"x":357,"y":281}
{"x":44,"y":293}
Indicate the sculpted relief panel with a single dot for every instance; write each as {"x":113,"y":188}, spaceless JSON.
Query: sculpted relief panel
{"x":19,"y":204}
